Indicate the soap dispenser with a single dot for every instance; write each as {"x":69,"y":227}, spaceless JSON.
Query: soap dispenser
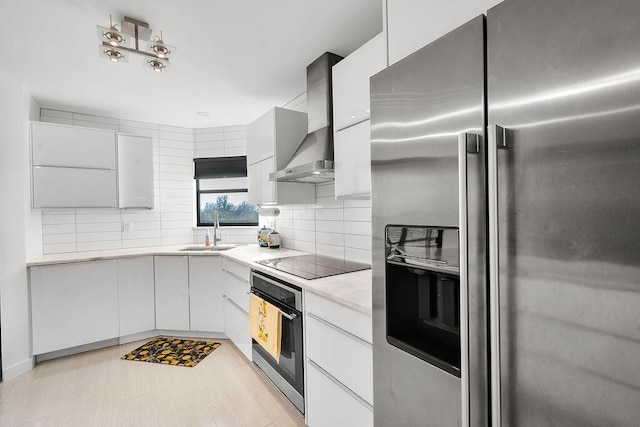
{"x":207,"y":238}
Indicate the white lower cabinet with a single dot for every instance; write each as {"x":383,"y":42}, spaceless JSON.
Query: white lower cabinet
{"x":236,"y":306}
{"x":136,"y":295}
{"x":331,"y":404}
{"x":339,"y":375}
{"x":73,"y":304}
{"x":172,"y":292}
{"x":205,"y":293}
{"x":236,"y":327}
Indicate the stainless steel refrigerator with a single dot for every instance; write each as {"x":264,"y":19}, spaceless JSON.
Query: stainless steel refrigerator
{"x":506,"y":221}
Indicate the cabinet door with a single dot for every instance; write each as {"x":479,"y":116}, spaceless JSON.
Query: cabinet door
{"x":352,"y":149}
{"x":236,"y":327}
{"x":330,"y":403}
{"x":205,"y":293}
{"x":73,"y":304}
{"x":261,"y":138}
{"x":135,"y":172}
{"x":236,"y":289}
{"x":72,"y":146}
{"x":55,"y":187}
{"x":172,"y":292}
{"x":351,"y":82}
{"x":261,"y":190}
{"x":136,"y":295}
{"x":348,"y":359}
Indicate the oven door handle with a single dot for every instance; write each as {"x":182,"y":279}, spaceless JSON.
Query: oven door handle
{"x":284,"y":314}
{"x":288,"y":316}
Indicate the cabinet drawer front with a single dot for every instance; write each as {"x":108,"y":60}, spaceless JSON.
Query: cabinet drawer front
{"x":329,"y":404}
{"x":352,"y":321}
{"x":71,"y":146}
{"x":73,"y":188}
{"x":239,"y":270}
{"x":236,"y":290}
{"x":236,"y":327}
{"x":345,"y":357}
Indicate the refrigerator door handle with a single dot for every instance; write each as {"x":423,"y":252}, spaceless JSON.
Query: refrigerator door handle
{"x":497,"y":140}
{"x":468,"y":143}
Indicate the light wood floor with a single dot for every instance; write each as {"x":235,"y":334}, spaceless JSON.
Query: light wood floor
{"x":99,"y":389}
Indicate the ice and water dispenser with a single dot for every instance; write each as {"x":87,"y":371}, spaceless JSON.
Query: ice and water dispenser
{"x":423,"y":293}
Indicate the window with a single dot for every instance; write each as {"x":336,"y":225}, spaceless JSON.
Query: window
{"x":221,"y":185}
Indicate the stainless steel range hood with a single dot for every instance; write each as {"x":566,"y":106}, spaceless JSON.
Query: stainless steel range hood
{"x":313,"y":160}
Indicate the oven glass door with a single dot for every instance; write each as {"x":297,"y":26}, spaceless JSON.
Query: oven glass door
{"x":290,"y":364}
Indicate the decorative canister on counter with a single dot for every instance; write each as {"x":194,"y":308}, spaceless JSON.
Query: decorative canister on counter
{"x":263,"y":234}
{"x":273,"y":239}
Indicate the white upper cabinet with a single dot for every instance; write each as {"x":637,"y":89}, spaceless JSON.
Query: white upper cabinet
{"x":413,"y":24}
{"x":73,"y":167}
{"x":351,"y":106}
{"x":271,"y":142}
{"x":55,"y":187}
{"x":135,"y":172}
{"x":351,"y":82}
{"x":277,"y":133}
{"x":72,"y":146}
{"x":352,"y":150}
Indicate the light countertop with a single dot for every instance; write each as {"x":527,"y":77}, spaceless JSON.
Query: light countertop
{"x":352,"y":290}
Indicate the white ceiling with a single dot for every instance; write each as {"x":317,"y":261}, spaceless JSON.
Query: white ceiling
{"x":235,"y":58}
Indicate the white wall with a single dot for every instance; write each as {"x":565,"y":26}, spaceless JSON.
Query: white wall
{"x":17,"y":225}
{"x":412,"y":24}
{"x":170,"y":222}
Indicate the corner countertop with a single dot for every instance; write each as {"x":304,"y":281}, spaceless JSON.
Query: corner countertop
{"x":352,"y":290}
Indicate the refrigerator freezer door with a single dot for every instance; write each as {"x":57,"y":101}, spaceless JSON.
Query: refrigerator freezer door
{"x":419,"y":106}
{"x":564,"y":82}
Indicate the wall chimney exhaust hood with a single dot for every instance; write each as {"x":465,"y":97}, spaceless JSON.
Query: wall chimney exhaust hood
{"x":313,"y":160}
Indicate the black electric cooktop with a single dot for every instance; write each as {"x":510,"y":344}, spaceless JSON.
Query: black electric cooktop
{"x":313,"y":266}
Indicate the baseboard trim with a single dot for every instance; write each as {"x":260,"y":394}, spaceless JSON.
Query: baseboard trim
{"x":18,"y":369}
{"x":76,"y":350}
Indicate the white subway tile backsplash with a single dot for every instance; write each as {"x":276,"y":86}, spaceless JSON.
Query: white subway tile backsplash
{"x":331,"y":214}
{"x":142,"y":234}
{"x":357,"y":203}
{"x":335,"y":239}
{"x":96,"y":125}
{"x":98,"y":236}
{"x":98,"y":227}
{"x":235,"y":151}
{"x":58,"y":248}
{"x":58,"y":228}
{"x":59,"y":238}
{"x":303,"y":224}
{"x":357,"y":214}
{"x":357,"y":255}
{"x":141,"y":243}
{"x":357,"y":242}
{"x":362,"y":228}
{"x":138,"y":125}
{"x":300,"y":245}
{"x":304,"y":214}
{"x":303,"y":235}
{"x":94,"y":119}
{"x":48,"y":218}
{"x":99,"y":245}
{"x":330,"y":250}
{"x":95,"y":218}
{"x":330,"y":226}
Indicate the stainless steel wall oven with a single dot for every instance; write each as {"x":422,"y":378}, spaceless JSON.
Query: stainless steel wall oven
{"x":287,"y":373}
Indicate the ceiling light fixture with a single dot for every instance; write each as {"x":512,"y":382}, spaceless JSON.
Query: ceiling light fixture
{"x":118,"y":41}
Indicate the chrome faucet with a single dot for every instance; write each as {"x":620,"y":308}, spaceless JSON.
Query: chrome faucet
{"x":216,"y":227}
